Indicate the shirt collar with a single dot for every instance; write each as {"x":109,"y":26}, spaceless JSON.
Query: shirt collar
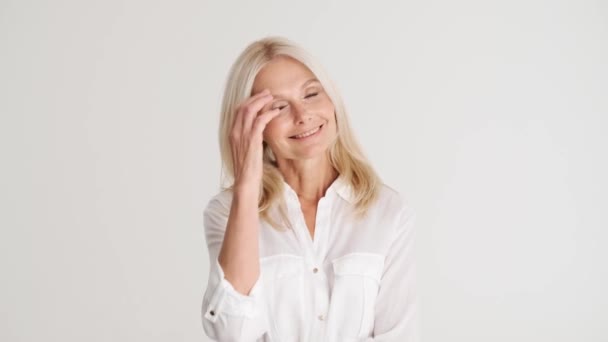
{"x":339,"y":186}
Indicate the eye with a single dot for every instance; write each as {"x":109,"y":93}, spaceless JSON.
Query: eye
{"x":311,"y":95}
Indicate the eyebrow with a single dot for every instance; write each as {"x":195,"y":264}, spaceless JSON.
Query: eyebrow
{"x":312,"y":80}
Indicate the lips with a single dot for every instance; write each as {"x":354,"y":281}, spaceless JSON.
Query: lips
{"x":306,"y":133}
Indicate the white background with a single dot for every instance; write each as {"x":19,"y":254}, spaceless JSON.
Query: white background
{"x":490,"y":116}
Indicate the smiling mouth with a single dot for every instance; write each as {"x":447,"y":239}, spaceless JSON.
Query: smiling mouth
{"x":307,"y":133}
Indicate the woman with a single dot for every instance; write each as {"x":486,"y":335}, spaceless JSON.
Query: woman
{"x":307,"y":244}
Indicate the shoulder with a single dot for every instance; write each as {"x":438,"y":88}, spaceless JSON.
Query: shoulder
{"x":216,"y":213}
{"x":389,"y":196}
{"x":394,"y":203}
{"x":219,"y":203}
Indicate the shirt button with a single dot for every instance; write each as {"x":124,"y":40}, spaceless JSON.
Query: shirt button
{"x":321,"y":317}
{"x":315,"y":270}
{"x":212,"y":313}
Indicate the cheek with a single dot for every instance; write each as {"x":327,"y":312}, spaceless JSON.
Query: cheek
{"x":327,"y":106}
{"x":272,"y":130}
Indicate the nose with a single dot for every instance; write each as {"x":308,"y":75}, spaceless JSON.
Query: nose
{"x":300,"y":113}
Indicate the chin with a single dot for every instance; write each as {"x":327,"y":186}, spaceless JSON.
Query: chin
{"x":311,"y":152}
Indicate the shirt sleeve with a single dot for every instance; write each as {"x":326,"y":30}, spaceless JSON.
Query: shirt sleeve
{"x":396,"y":311}
{"x":227,"y":314}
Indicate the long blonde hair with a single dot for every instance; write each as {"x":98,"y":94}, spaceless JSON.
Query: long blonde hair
{"x":346,"y":155}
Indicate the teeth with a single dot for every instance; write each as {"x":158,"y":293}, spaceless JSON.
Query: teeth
{"x":305,"y":134}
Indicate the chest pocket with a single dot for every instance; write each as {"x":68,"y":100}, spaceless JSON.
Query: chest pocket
{"x":356,"y":284}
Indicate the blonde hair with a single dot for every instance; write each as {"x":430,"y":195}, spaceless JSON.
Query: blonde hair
{"x":346,"y":155}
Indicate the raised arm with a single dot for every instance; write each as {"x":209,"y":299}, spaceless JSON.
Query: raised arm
{"x":232,"y":303}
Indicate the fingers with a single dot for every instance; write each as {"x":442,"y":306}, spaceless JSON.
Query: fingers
{"x":246,"y":142}
{"x":252,"y":109}
{"x":249,"y":107}
{"x":256,"y":96}
{"x":250,"y":100}
{"x":262,"y":120}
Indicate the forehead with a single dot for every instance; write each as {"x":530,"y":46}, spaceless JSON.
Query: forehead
{"x":282,"y":74}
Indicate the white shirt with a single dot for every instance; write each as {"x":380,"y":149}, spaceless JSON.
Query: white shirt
{"x":355,"y":281}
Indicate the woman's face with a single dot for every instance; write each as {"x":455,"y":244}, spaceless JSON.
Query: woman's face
{"x":306,"y":125}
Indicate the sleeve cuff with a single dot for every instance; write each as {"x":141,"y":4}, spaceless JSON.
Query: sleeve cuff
{"x":225,"y":300}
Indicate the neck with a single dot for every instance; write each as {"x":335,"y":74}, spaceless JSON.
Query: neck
{"x":309,"y":178}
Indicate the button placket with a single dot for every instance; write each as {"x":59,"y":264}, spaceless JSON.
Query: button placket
{"x":314,"y":249}
{"x":319,"y":280}
{"x":323,"y":222}
{"x":321,"y":293}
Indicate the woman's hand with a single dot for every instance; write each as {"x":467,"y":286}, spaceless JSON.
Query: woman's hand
{"x":239,"y":254}
{"x":246,"y":140}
